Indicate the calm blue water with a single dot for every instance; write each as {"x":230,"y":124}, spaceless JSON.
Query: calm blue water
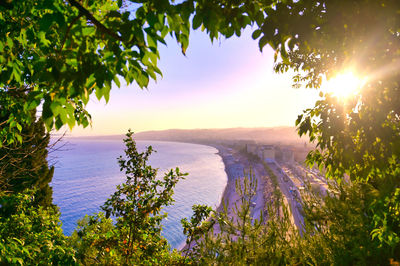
{"x":87,"y":172}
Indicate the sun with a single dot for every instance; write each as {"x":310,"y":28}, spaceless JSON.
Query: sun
{"x":344,"y":85}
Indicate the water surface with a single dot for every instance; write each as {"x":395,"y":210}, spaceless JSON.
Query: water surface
{"x":87,"y":172}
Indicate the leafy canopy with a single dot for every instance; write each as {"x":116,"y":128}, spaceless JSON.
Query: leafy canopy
{"x":61,"y":52}
{"x":357,"y":138}
{"x":24,"y":165}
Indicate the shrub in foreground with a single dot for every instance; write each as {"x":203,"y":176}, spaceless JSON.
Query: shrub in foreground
{"x":31,"y":235}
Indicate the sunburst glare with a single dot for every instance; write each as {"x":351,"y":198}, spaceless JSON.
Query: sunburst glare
{"x":344,"y":85}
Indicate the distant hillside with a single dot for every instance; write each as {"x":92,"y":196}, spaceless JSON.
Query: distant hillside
{"x":278,"y":135}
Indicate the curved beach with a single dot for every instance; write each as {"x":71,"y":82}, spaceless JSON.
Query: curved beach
{"x":236,"y":167}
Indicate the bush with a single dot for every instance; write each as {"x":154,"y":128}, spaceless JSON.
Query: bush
{"x":31,"y":235}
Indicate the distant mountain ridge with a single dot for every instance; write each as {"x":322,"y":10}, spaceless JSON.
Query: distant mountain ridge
{"x":271,"y":135}
{"x":262,"y":135}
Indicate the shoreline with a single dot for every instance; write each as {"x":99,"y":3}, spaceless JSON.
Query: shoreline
{"x":230,"y":182}
{"x":234,"y":170}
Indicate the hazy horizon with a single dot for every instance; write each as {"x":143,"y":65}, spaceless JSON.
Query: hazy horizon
{"x":261,"y":135}
{"x":69,"y":134}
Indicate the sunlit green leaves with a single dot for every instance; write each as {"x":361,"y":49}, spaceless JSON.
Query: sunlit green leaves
{"x":67,"y":56}
{"x":31,"y":235}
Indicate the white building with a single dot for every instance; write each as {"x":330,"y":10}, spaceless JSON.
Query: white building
{"x":252,"y":148}
{"x":287,"y":155}
{"x":268,"y":153}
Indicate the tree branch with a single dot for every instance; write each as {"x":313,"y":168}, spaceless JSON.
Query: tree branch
{"x":92,"y":19}
{"x":69,"y":28}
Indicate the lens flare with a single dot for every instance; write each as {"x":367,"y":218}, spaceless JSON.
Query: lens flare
{"x":344,"y":85}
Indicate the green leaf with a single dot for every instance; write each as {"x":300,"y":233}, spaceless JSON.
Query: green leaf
{"x":99,"y":93}
{"x":46,"y":21}
{"x":63,"y":116}
{"x":116,"y":80}
{"x":88,"y":31}
{"x":107,"y":90}
{"x":12,"y":124}
{"x":71,"y":121}
{"x":262,"y":42}
{"x":49,"y":123}
{"x":15,"y":260}
{"x":256,"y":34}
{"x":59,"y":123}
{"x":55,"y":107}
{"x":42,"y":38}
{"x":197,"y":21}
{"x":73,"y":62}
{"x":19,"y":137}
{"x":10,"y":42}
{"x":151,"y":42}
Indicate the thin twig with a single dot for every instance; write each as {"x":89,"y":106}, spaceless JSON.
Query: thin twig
{"x":69,"y":29}
{"x":92,"y":19}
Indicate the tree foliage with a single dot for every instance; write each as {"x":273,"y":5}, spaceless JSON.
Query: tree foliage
{"x":31,"y":234}
{"x":196,"y":227}
{"x":61,"y":52}
{"x":24,"y":165}
{"x":357,"y":137}
{"x":339,"y":230}
{"x":137,"y":206}
{"x":336,"y":231}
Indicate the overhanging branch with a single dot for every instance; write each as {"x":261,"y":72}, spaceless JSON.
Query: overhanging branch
{"x":69,"y":29}
{"x":92,"y":19}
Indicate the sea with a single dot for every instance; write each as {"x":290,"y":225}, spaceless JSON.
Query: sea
{"x":87,"y":172}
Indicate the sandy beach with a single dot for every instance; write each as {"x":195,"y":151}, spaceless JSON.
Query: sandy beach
{"x":236,"y":167}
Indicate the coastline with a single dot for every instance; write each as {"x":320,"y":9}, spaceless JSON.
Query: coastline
{"x":229,"y":190}
{"x":234,"y":169}
{"x":229,"y":187}
{"x":236,"y":166}
{"x":228,"y":196}
{"x":229,"y":180}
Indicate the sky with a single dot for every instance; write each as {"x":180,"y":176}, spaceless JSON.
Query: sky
{"x":225,"y":84}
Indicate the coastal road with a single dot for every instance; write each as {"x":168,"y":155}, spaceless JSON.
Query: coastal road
{"x":258,"y":200}
{"x":259,"y":172}
{"x":293,"y":201}
{"x":235,"y":163}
